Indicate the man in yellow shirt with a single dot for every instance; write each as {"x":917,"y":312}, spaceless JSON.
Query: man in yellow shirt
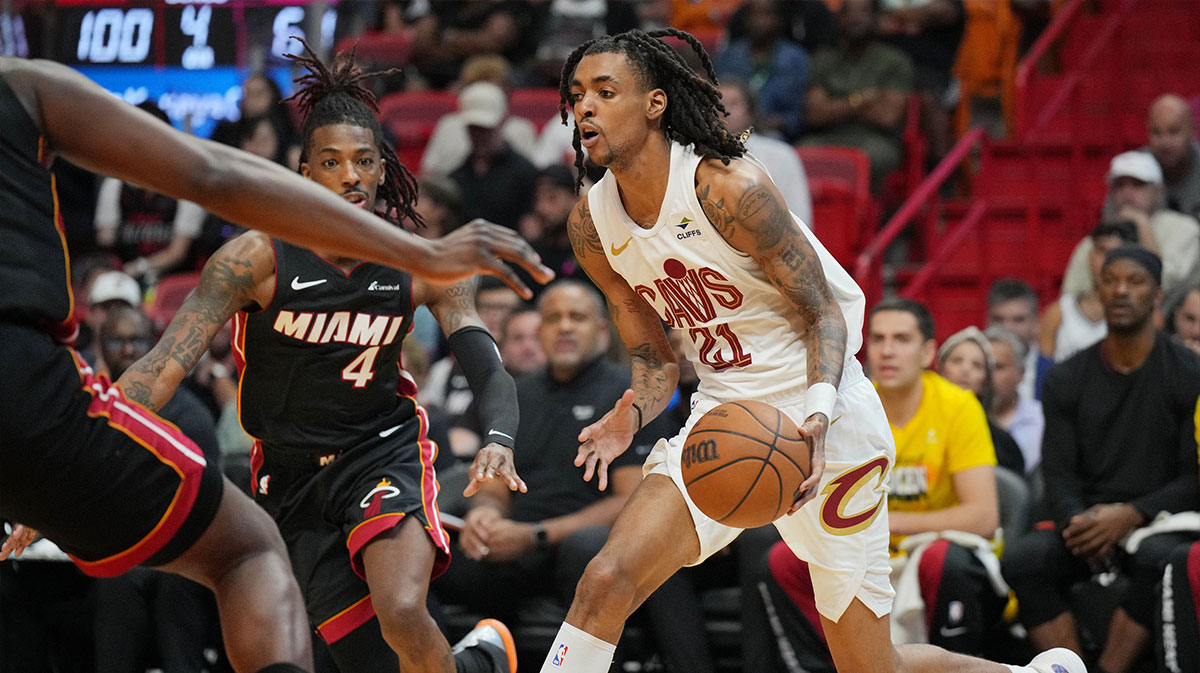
{"x":944,"y":476}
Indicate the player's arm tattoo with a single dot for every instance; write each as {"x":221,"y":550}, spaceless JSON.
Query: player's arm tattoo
{"x":653,"y":371}
{"x":225,"y":287}
{"x":716,"y":211}
{"x":581,"y":230}
{"x":454,"y":307}
{"x":792,"y":266}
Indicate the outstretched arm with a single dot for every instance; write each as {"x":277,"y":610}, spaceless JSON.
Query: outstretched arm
{"x":88,"y":126}
{"x":491,"y":384}
{"x":749,"y":212}
{"x":654,"y":372}
{"x":240,"y":274}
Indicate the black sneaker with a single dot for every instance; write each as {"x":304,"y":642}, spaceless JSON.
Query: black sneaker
{"x":496,"y":640}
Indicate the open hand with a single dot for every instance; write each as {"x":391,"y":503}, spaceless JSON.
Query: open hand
{"x":602,"y":441}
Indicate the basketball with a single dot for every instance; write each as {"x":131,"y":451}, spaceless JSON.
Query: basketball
{"x":743,"y":463}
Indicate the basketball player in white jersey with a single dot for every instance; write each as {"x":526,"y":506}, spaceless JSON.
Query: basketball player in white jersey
{"x":688,"y":230}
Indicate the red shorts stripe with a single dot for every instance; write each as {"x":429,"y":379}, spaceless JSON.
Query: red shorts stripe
{"x":168,"y":445}
{"x":367,"y":531}
{"x":338,"y":626}
{"x":429,"y":492}
{"x":929,"y":574}
{"x":1193,"y":573}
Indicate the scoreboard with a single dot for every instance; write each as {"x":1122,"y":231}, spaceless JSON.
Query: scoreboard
{"x":193,"y":35}
{"x":189,"y":57}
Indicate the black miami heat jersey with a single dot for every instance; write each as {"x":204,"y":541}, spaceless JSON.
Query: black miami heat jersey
{"x":35,"y":284}
{"x":320,"y":366}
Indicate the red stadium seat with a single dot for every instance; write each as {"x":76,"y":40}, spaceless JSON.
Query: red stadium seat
{"x":536,"y":105}
{"x":839,"y":179}
{"x":381,"y":50}
{"x":169,"y":295}
{"x":410,"y":117}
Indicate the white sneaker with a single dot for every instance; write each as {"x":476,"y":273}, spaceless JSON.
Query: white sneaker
{"x":1057,"y":660}
{"x":493,"y":635}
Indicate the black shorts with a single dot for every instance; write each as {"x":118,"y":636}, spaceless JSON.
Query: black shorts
{"x":329,"y":507}
{"x":113,"y":485}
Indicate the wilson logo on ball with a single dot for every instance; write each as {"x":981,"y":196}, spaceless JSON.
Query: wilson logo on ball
{"x":700,"y":452}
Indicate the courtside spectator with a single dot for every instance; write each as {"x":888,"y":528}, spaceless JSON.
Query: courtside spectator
{"x":1172,"y":132}
{"x":774,"y":68}
{"x":966,"y":359}
{"x":496,"y":180}
{"x":858,"y":91}
{"x":1013,"y":305}
{"x":1135,"y":193}
{"x":1184,"y":321}
{"x":1020,"y":416}
{"x":450,"y":143}
{"x":109,"y":290}
{"x":1076,"y":320}
{"x":780,"y":158}
{"x":1120,"y":447}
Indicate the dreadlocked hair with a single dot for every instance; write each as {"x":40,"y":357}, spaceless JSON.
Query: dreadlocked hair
{"x":694,"y":115}
{"x":337,"y":94}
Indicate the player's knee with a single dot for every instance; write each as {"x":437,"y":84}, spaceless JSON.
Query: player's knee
{"x":606,"y":582}
{"x":403,"y":619}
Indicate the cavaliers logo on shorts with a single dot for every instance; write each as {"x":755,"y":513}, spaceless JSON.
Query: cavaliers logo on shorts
{"x":841,"y":491}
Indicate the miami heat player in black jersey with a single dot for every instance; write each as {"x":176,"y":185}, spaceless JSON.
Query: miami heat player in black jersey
{"x":341,"y":460}
{"x":83,"y":463}
{"x":319,"y":364}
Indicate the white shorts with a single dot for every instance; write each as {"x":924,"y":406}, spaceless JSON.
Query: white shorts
{"x":843,"y":532}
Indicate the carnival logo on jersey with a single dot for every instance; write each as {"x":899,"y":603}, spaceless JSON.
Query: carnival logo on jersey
{"x":362,"y":329}
{"x":683,"y":224}
{"x":842,"y":489}
{"x":560,"y":655}
{"x":375,"y":286}
{"x":263,"y":482}
{"x":373,"y":500}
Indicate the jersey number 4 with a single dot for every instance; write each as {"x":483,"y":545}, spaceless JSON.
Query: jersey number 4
{"x":712,"y":354}
{"x":362,"y":368}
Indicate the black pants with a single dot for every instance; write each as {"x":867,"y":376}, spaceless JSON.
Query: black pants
{"x":45,"y":617}
{"x":1178,"y":616}
{"x":1041,"y":570}
{"x":146,"y":615}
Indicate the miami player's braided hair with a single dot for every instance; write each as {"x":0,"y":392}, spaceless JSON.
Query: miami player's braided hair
{"x":337,"y":94}
{"x":694,"y":114}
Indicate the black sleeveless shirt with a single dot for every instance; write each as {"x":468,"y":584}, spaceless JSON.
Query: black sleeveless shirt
{"x":320,"y":365}
{"x":35,"y":278}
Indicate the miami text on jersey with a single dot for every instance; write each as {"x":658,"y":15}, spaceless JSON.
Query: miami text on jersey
{"x":362,"y":329}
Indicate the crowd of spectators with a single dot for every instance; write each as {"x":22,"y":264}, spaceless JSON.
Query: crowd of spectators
{"x":1089,"y":402}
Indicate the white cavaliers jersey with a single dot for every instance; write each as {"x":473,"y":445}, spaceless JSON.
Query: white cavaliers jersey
{"x":745,"y":339}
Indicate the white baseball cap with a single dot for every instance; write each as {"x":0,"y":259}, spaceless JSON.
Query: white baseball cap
{"x":1138,"y":165}
{"x":112,"y":285}
{"x":483,"y":104}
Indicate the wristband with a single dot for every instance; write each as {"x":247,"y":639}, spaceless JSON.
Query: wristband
{"x":639,"y":421}
{"x":820,"y":398}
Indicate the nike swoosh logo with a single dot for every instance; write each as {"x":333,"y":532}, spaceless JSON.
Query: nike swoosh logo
{"x":297,"y":284}
{"x":389,"y":431}
{"x":502,"y":434}
{"x":616,"y":250}
{"x":835,"y":421}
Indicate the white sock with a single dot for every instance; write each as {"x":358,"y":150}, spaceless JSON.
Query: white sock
{"x":576,"y":651}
